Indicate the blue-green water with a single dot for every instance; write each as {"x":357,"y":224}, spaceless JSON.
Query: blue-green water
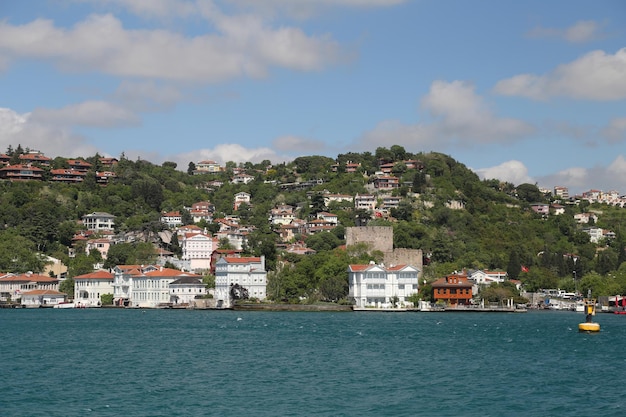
{"x":102,"y":362}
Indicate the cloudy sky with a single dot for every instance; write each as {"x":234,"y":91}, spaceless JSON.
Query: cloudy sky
{"x":524,"y":91}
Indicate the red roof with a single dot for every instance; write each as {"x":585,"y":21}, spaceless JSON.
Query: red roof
{"x":28,"y":278}
{"x":43,"y":292}
{"x":96,"y":275}
{"x":169,"y":272}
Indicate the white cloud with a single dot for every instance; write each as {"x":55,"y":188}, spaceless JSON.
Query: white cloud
{"x":460,"y":117}
{"x":244,"y":47}
{"x":594,"y":76}
{"x":89,"y":113}
{"x":512,"y":171}
{"x":578,"y":179}
{"x":581,"y":31}
{"x":228,"y":152}
{"x":19,"y":129}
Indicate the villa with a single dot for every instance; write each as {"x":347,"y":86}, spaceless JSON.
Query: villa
{"x":377,"y":286}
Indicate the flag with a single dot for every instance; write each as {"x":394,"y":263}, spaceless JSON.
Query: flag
{"x":524,"y":268}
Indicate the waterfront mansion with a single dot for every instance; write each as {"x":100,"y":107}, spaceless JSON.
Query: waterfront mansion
{"x":377,"y":286}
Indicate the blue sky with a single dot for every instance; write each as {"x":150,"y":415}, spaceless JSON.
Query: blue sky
{"x":531,"y":91}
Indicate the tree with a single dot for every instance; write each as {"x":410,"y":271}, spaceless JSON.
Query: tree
{"x":514,"y":267}
{"x":106,"y":299}
{"x":529,"y":193}
{"x":67,"y":286}
{"x":18,"y":254}
{"x":323,"y":241}
{"x":191,"y":168}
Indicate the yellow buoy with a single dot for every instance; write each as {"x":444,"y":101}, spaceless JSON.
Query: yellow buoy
{"x":589,"y":327}
{"x":590,"y":311}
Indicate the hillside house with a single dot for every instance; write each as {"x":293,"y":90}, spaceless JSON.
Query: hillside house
{"x":172,"y":219}
{"x":207,"y":167}
{"x":282,"y":214}
{"x":197,"y":250}
{"x":68,"y":176}
{"x":79,"y":165}
{"x":21,"y":172}
{"x":99,"y":221}
{"x":241,"y":198}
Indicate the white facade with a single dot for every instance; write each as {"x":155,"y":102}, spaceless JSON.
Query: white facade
{"x":376,"y":286}
{"x":88,"y":288}
{"x":595,"y":234}
{"x":241,"y":198}
{"x":152,"y":289}
{"x":364,"y":202}
{"x":282,"y":214}
{"x":172,"y":219}
{"x":197,"y":249}
{"x":13,"y":286}
{"x":207,"y":167}
{"x":99,"y":221}
{"x":248,"y":272}
{"x":123,"y":281}
{"x":37,"y":298}
{"x":487,"y":277}
{"x":184,"y":290}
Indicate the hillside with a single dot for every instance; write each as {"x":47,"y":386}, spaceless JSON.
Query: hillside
{"x":433,"y":203}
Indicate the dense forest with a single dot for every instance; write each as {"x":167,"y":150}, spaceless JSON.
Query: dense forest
{"x":494,"y":229}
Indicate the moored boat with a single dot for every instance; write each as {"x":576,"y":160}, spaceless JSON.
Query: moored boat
{"x":65,"y":305}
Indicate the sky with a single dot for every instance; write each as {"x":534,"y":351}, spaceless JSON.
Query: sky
{"x":523,"y":91}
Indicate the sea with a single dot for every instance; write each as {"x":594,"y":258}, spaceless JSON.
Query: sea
{"x":133,"y":362}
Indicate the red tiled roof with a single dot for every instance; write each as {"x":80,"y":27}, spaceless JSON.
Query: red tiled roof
{"x":28,"y":278}
{"x":43,"y":292}
{"x":169,"y":272}
{"x":96,"y":275}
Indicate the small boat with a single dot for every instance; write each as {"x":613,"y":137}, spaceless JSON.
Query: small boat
{"x":66,"y":304}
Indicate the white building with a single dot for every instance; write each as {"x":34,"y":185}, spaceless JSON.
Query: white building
{"x":197,"y":249}
{"x":378,"y":287}
{"x":152,"y":289}
{"x":123,"y":282}
{"x":172,"y":218}
{"x":89,"y":288}
{"x":185,"y":289}
{"x":13,"y":286}
{"x":283,"y":214}
{"x":595,"y":233}
{"x":247,"y":272}
{"x":485,"y":277}
{"x":240,"y":198}
{"x":37,"y":298}
{"x":99,"y":221}
{"x":365,"y":202}
{"x":207,"y":167}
